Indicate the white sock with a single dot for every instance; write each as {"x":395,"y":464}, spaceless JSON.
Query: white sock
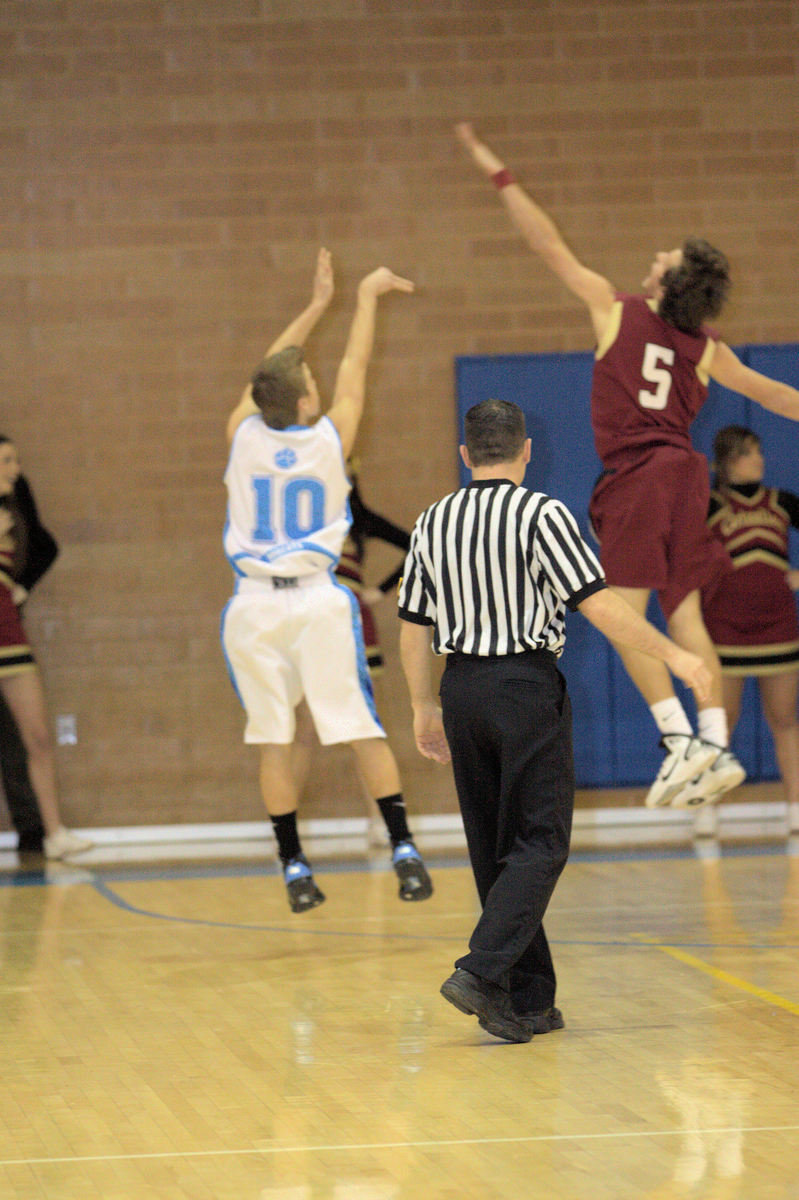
{"x":670,"y":717}
{"x":713,"y":726}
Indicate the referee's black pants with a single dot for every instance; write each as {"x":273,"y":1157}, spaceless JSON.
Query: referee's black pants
{"x":508,"y":724}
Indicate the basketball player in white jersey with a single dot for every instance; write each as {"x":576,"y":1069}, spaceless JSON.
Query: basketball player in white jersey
{"x":291,"y":630}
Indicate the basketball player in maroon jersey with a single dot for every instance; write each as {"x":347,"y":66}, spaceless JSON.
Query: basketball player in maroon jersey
{"x":654,"y":359}
{"x":751,"y":615}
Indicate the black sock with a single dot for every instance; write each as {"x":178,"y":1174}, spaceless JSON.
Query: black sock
{"x":393,"y":812}
{"x":288,"y":840}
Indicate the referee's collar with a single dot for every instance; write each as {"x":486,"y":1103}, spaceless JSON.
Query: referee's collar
{"x":482,"y":483}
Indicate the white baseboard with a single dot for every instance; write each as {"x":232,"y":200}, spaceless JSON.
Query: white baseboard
{"x":594,"y":828}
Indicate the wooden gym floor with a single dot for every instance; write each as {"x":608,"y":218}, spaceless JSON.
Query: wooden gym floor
{"x":174,"y":1031}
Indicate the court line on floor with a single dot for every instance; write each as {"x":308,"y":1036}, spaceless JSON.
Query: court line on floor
{"x":98,"y":883}
{"x":637,"y":943}
{"x":109,"y":894}
{"x":721,"y":976}
{"x":424,"y":1144}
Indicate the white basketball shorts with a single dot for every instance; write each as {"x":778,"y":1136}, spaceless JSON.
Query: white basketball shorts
{"x":285,"y":642}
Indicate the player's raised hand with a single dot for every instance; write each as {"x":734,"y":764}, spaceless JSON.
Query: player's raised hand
{"x":323,"y":279}
{"x":378,"y":282}
{"x":464,"y":132}
{"x":485,"y":159}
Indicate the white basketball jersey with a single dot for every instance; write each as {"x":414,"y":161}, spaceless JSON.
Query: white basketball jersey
{"x":288,"y":509}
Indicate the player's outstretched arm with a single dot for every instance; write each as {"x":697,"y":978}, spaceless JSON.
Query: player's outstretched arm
{"x":348,"y":397}
{"x":728,"y":370}
{"x":295,"y":334}
{"x":619,"y":622}
{"x":540,"y":232}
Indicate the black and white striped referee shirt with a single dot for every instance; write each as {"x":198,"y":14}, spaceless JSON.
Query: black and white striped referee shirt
{"x":492,"y":568}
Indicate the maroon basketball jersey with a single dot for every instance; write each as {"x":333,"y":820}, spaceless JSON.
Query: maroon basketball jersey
{"x":650,"y":381}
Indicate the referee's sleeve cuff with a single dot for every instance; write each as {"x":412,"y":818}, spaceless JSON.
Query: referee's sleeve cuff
{"x":415,"y":618}
{"x":575,"y":601}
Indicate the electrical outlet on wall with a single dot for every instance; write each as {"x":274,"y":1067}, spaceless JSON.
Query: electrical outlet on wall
{"x":66,"y":729}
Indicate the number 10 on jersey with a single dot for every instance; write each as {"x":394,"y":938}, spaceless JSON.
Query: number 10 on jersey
{"x":287,"y":510}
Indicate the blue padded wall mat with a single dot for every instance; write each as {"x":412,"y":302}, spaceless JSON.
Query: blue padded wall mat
{"x":615,"y":740}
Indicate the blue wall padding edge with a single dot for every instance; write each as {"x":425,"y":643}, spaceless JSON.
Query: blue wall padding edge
{"x":615,"y":740}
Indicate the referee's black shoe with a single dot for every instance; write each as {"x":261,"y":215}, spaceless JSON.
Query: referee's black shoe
{"x":544,"y":1020}
{"x":414,"y":881}
{"x":300,"y":885}
{"x":489,"y":1003}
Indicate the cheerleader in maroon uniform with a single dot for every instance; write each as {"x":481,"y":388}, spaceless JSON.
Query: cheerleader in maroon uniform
{"x":20,"y":681}
{"x":751,"y":616}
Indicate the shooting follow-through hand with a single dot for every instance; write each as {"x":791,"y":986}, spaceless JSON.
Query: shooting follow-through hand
{"x":383,"y":280}
{"x":323,"y":278}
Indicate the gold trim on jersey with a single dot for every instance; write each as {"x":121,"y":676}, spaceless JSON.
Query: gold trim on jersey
{"x":760,"y":555}
{"x":753,"y":501}
{"x":771,"y":648}
{"x":24,"y":662}
{"x":760,"y":669}
{"x":778,"y":506}
{"x":611,"y":330}
{"x":17,"y":669}
{"x":703,"y":366}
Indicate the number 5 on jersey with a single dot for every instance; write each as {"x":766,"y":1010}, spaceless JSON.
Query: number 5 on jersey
{"x":655,"y":370}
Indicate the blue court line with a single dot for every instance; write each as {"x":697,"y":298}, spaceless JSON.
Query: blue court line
{"x":109,"y":894}
{"x":100,"y":883}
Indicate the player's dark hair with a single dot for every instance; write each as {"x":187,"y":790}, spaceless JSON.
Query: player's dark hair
{"x":19,"y":532}
{"x":696,"y":290}
{"x":278,"y":384}
{"x":728,"y":443}
{"x":494,"y":432}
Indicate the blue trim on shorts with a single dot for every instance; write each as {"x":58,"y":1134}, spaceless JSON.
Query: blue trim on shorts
{"x":364,"y":678}
{"x":275,"y":556}
{"x":228,"y":663}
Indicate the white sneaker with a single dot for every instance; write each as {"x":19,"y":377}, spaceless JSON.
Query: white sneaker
{"x":64,"y":843}
{"x":721,"y":776}
{"x":687,"y":757}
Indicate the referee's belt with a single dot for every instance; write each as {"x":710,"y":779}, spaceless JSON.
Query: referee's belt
{"x":277,"y":583}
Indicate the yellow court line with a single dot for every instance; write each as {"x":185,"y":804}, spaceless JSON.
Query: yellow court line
{"x":725,"y":977}
{"x":427,"y":1143}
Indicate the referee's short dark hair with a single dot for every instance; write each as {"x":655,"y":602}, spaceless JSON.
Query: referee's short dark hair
{"x":494,"y":432}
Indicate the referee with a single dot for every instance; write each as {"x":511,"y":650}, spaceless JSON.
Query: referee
{"x":491,"y":568}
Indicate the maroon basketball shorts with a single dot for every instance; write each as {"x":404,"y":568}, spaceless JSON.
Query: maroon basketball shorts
{"x":650,"y":515}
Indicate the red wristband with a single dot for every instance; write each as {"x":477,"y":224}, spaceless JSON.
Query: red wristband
{"x":502,"y":178}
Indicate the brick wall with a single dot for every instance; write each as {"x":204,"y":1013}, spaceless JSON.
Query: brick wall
{"x":168,"y":169}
